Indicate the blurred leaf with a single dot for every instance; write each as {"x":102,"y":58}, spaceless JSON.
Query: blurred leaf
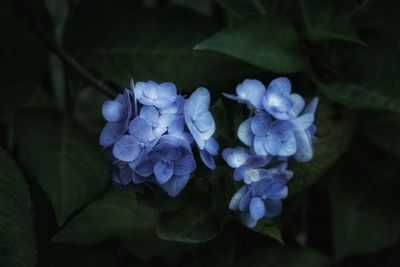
{"x":284,"y":256}
{"x":383,"y":129}
{"x":269,"y":42}
{"x":148,"y":44}
{"x":365,"y":204}
{"x":335,"y":130}
{"x":117,"y":215}
{"x":193,"y":223}
{"x":20,"y":68}
{"x":240,"y":9}
{"x":272,"y":231}
{"x":17,"y":242}
{"x":63,"y":158}
{"x":324,"y":22}
{"x":371,"y":79}
{"x":201,"y":6}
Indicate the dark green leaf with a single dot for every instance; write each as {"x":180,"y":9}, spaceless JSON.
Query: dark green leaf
{"x":148,"y":44}
{"x":284,"y":256}
{"x":117,"y":215}
{"x":365,"y":204}
{"x":272,"y":231}
{"x":324,"y":22}
{"x":269,"y":42}
{"x":239,"y":9}
{"x":17,"y":242}
{"x":201,"y":6}
{"x":383,"y":129}
{"x":335,"y":130}
{"x":20,"y":68}
{"x":371,"y":79}
{"x":66,"y":162}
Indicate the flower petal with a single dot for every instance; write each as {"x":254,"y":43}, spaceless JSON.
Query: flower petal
{"x":212,"y":146}
{"x":207,"y":159}
{"x":140,"y":129}
{"x":311,"y":106}
{"x":204,"y":121}
{"x":150,"y":114}
{"x":126,"y":148}
{"x":257,"y":208}
{"x":298,"y":105}
{"x":260,"y":124}
{"x":235,"y":200}
{"x":145,"y":168}
{"x":255,"y":91}
{"x":111,"y":132}
{"x":112,"y":111}
{"x":244,"y":132}
{"x":163,"y":171}
{"x":273,"y":208}
{"x":281,"y":85}
{"x":282,"y":129}
{"x":303,"y":122}
{"x":259,"y":147}
{"x":272,"y":144}
{"x":185,"y":165}
{"x":175,"y":185}
{"x":288,"y":147}
{"x":304,"y":150}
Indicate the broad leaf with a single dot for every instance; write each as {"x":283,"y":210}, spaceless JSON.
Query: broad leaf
{"x":66,"y":162}
{"x":117,"y":215}
{"x":335,"y":130}
{"x":370,"y":78}
{"x":269,"y":42}
{"x":272,"y":231}
{"x":284,"y":256}
{"x":324,"y":21}
{"x":20,"y":68}
{"x":365,"y":204}
{"x":17,"y":242}
{"x":148,"y":44}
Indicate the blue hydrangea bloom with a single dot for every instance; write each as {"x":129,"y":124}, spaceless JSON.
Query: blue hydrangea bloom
{"x":280,"y":129}
{"x":117,"y":113}
{"x":262,"y":197}
{"x":148,"y":140}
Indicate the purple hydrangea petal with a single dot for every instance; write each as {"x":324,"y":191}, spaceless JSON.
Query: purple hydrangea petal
{"x":248,"y":220}
{"x":145,"y":168}
{"x":167,"y":92}
{"x":175,"y":185}
{"x":138,"y":179}
{"x":207,"y":159}
{"x":257,"y":208}
{"x":110,"y":133}
{"x":112,"y":111}
{"x":298,"y":105}
{"x":281,"y":85}
{"x":273,"y":207}
{"x":212,"y":146}
{"x":304,"y":150}
{"x":235,"y":157}
{"x":311,"y":106}
{"x":303,"y":122}
{"x":244,"y":203}
{"x":185,"y":165}
{"x":272,"y":144}
{"x":258,"y":145}
{"x":204,"y":121}
{"x":282,"y":129}
{"x":122,"y":176}
{"x":150,"y":114}
{"x":254,"y":92}
{"x":126,"y":148}
{"x":163,"y":171}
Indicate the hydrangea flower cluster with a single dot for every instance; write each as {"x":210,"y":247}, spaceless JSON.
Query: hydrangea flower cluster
{"x":149,"y":135}
{"x":280,"y":129}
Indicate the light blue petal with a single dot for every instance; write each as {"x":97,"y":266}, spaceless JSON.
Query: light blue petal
{"x":272,"y":144}
{"x":248,"y":220}
{"x":212,"y":146}
{"x":167,"y":91}
{"x":244,"y":132}
{"x":254,"y":91}
{"x":150,"y":114}
{"x":163,"y":171}
{"x":288,"y":147}
{"x":198,"y":102}
{"x":176,"y":126}
{"x":259,"y":147}
{"x":140,"y":129}
{"x":126,"y":148}
{"x":281,"y":85}
{"x":257,"y":208}
{"x":235,"y":200}
{"x":311,"y":106}
{"x":282,"y":129}
{"x":145,"y":168}
{"x":304,"y":150}
{"x":260,"y":124}
{"x":112,"y":111}
{"x":175,"y":185}
{"x":110,"y":133}
{"x":298,"y":105}
{"x":303,"y":122}
{"x":232,"y":97}
{"x":204,"y":121}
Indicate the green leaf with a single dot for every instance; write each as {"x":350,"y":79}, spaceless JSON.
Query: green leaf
{"x":365,"y":204}
{"x":382,"y":129}
{"x":370,"y":78}
{"x":335,"y":130}
{"x":20,"y":68}
{"x":324,"y":22}
{"x":240,"y":9}
{"x":284,"y":256}
{"x":66,"y":162}
{"x":148,"y":44}
{"x":117,"y":215}
{"x":193,"y":223}
{"x":201,"y":6}
{"x":272,"y":231}
{"x":269,"y":42}
{"x":17,"y":242}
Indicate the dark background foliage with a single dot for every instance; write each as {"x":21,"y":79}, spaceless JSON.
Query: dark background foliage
{"x":60,"y":59}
